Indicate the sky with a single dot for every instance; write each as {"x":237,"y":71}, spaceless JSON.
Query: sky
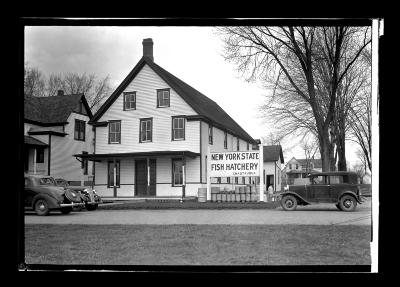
{"x":193,"y":54}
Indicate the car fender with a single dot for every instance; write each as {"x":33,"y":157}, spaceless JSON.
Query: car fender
{"x":349,"y":192}
{"x":295,"y":195}
{"x":53,"y":203}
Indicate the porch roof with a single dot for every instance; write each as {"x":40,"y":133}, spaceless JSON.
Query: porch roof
{"x":103,"y":156}
{"x":33,"y":142}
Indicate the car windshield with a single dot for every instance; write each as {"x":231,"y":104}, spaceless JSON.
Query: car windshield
{"x":47,"y":181}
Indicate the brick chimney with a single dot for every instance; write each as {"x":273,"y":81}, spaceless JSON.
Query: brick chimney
{"x":148,"y":48}
{"x":60,"y":93}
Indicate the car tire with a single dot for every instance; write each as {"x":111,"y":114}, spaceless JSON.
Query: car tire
{"x":338,"y":206}
{"x":347,"y":203}
{"x":289,"y":202}
{"x":66,"y":210}
{"x":91,"y":207}
{"x":41,"y":207}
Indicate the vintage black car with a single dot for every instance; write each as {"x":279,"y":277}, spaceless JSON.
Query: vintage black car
{"x":88,"y":195}
{"x":43,"y":195}
{"x":340,"y":188}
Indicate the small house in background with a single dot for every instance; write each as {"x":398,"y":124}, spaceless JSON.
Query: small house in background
{"x":300,"y":168}
{"x":56,"y":128}
{"x":272,"y":172}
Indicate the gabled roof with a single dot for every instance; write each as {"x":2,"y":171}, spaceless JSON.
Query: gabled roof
{"x":53,"y":110}
{"x":32,"y":141}
{"x":208,"y":109}
{"x":317,"y":162}
{"x":273,"y":153}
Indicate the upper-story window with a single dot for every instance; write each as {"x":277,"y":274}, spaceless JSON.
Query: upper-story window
{"x":178,"y":128}
{"x":114,"y":132}
{"x":210,"y":134}
{"x":225,"y":140}
{"x":297,"y":166}
{"x":248,"y":146}
{"x":237,"y":144}
{"x":162,"y":98}
{"x":129,"y":101}
{"x":290,"y":166}
{"x":80,"y":127}
{"x":146,"y":130}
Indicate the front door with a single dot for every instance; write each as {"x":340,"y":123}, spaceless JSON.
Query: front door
{"x":319,"y":189}
{"x":141,"y":176}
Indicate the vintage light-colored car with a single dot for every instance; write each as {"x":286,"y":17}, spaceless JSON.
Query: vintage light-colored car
{"x":340,"y":188}
{"x":42,"y":194}
{"x":88,"y":195}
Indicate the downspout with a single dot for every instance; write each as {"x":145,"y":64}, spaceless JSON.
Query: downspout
{"x":49,"y":156}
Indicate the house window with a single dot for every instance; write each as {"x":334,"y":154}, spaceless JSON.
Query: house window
{"x":110,"y":179}
{"x":297,"y":166}
{"x":129,"y":101}
{"x":218,"y":180}
{"x":225,"y":140}
{"x":146,"y":130}
{"x":237,"y":144}
{"x":248,"y":146}
{"x":290,"y":166}
{"x":177,"y":172}
{"x":40,"y":155}
{"x":228,"y":180}
{"x":114,"y":132}
{"x":236,"y":180}
{"x":210,"y":134}
{"x":79,"y":130}
{"x":162,"y":98}
{"x":178,"y":128}
{"x":243,"y":180}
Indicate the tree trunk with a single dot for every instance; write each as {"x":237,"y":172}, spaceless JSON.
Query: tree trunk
{"x":325,"y":150}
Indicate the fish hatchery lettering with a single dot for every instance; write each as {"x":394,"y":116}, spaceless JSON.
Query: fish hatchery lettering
{"x":234,"y":164}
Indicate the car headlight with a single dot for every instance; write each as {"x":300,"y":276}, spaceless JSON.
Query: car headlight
{"x":286,"y":188}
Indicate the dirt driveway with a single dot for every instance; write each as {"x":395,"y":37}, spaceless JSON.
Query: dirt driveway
{"x":320,"y":214}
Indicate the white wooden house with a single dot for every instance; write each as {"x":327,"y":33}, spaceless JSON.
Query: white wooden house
{"x":56,"y":128}
{"x":153,"y":132}
{"x":273,"y":160}
{"x":300,"y":168}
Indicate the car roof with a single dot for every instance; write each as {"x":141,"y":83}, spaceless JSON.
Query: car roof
{"x":38,"y":176}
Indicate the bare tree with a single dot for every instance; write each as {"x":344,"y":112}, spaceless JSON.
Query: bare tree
{"x":34,"y":82}
{"x":310,"y":148}
{"x":285,"y":58}
{"x":95,"y":90}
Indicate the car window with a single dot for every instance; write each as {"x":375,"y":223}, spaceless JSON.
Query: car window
{"x":319,"y":179}
{"x":47,"y":181}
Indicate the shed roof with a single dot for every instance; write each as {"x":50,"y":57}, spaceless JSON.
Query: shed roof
{"x":205,"y":107}
{"x":273,"y":153}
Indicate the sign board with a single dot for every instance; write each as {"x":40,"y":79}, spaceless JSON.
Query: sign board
{"x":239,"y":163}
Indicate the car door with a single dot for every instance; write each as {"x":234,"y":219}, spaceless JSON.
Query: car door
{"x":319,"y":189}
{"x":29,"y":193}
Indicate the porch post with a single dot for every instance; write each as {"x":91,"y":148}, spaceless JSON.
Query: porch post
{"x":34,"y":161}
{"x":208,"y":174}
{"x":148,"y":177}
{"x":261,"y":155}
{"x":115,"y":178}
{"x":183,"y":176}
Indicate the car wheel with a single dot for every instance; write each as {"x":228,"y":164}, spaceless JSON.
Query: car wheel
{"x":66,"y":210}
{"x":338,"y":206}
{"x":289,"y":202}
{"x":347,"y":203}
{"x":42,"y":207}
{"x":91,"y":207}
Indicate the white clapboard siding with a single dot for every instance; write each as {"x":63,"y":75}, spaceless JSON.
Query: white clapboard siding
{"x":145,"y":85}
{"x":218,"y":146}
{"x":63,"y":163}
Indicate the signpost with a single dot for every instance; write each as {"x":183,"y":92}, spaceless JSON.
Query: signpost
{"x":235,"y":164}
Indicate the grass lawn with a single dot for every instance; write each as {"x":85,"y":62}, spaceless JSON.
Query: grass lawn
{"x":197,"y":244}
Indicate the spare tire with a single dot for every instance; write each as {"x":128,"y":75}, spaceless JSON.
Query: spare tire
{"x":73,"y":196}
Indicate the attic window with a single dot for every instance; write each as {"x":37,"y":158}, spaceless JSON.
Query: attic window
{"x":129,"y":101}
{"x":79,"y":133}
{"x":163,"y":98}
